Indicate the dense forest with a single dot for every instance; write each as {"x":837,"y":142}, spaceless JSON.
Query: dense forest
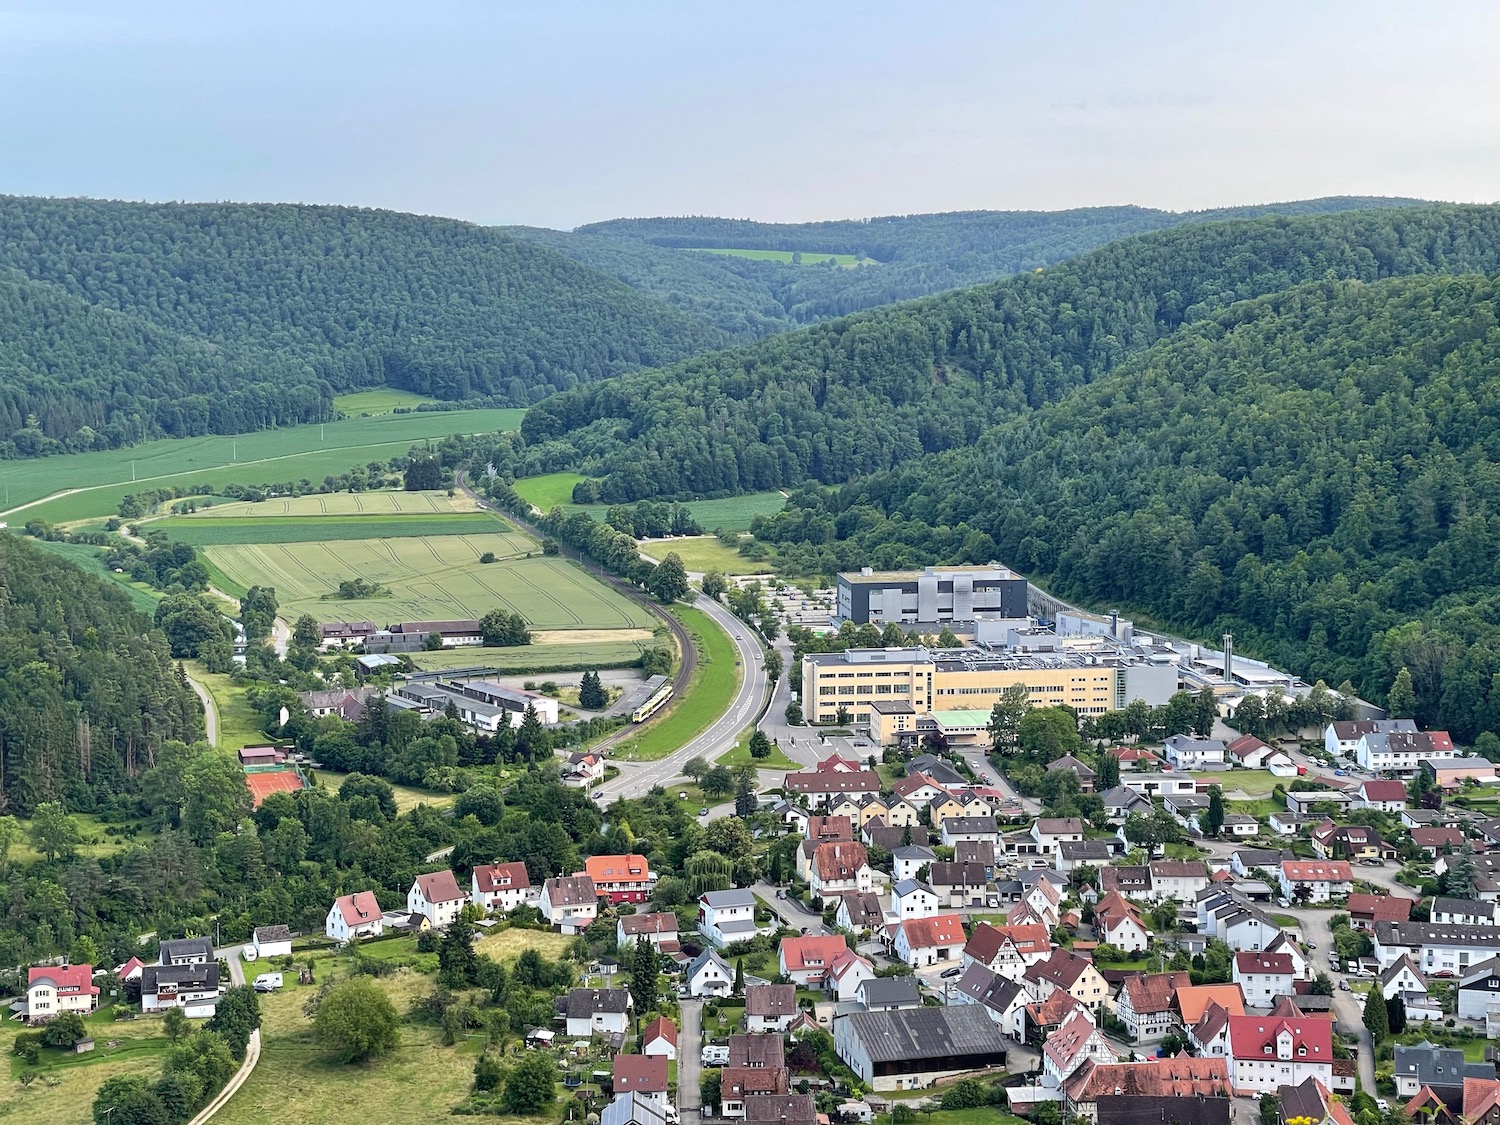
{"x":121,"y":321}
{"x":88,"y":690}
{"x":863,"y":394}
{"x":912,"y":255}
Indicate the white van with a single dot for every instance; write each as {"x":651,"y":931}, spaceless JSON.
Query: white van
{"x":267,"y":982}
{"x":715,"y":1056}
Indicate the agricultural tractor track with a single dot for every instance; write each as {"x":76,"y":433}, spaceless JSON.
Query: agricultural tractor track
{"x":689,"y":662}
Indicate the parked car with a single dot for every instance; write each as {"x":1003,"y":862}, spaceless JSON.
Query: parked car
{"x":1343,"y":984}
{"x":703,"y":811}
{"x":598,"y":793}
{"x":953,"y":972}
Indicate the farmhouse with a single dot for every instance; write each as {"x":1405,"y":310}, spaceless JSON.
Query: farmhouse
{"x":1145,"y":1003}
{"x":906,"y":1050}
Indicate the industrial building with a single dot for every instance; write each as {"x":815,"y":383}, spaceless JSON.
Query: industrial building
{"x":937,"y":596}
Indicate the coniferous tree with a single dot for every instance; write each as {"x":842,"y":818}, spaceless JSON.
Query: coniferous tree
{"x":1376,"y":1018}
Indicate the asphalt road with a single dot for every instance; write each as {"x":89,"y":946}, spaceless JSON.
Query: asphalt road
{"x":1347,"y":1007}
{"x":789,"y":910}
{"x":637,"y":778}
{"x":689,"y":1060}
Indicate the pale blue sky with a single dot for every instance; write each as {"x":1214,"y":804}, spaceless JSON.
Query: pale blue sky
{"x":557,"y":114}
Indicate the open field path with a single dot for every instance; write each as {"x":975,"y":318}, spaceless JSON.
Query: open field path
{"x":210,"y":709}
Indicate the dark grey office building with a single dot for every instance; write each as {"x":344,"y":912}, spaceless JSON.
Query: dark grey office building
{"x":935,"y":596}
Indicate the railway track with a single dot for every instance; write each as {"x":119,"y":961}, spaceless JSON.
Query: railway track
{"x":684,"y":640}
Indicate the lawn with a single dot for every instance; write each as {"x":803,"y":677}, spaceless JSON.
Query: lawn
{"x":407,"y":796}
{"x":623,"y":649}
{"x":141,"y":596}
{"x":434,"y":578}
{"x":1259,"y":809}
{"x":740,"y":756}
{"x":240,"y":530}
{"x":95,"y":840}
{"x":708,"y":694}
{"x":510,"y":943}
{"x":703,"y":553}
{"x":382,"y":401}
{"x":547,"y":492}
{"x":1253,"y":783}
{"x":805,"y":257}
{"x":1285,"y":921}
{"x":82,"y":485}
{"x":239,"y":725}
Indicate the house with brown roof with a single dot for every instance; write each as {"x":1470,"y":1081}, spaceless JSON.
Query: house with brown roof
{"x":499,"y":888}
{"x":437,"y":897}
{"x":756,"y":1068}
{"x":1181,"y":879}
{"x":660,"y":1038}
{"x":859,"y":912}
{"x":1435,"y":841}
{"x":570,"y":902}
{"x":1119,"y":923}
{"x":926,"y":941}
{"x":1249,"y":751}
{"x":1179,"y":1077}
{"x":1048,"y":832}
{"x":839,"y":868}
{"x":1316,"y":880}
{"x":1145,"y":1003}
{"x":1367,"y":909}
{"x":659,"y":928}
{"x":1076,"y":1042}
{"x":1210,"y":1035}
{"x":641,"y":1075}
{"x":1008,"y":950}
{"x":826,"y":829}
{"x":353,"y":916}
{"x":1263,"y":976}
{"x":1348,"y":841}
{"x":1064,"y":971}
{"x":1387,"y":796}
{"x":770,"y":1007}
{"x":819,"y":788}
{"x":1131,"y":881}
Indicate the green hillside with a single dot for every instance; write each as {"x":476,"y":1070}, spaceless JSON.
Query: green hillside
{"x":863,"y":394}
{"x":124,"y":321}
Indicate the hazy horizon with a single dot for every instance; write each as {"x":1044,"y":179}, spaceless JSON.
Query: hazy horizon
{"x":580,"y":113}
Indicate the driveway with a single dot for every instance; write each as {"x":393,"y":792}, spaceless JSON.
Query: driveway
{"x":1347,"y":1007}
{"x":789,"y":910}
{"x":689,"y":1060}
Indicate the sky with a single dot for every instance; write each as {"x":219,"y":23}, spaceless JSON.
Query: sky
{"x":559,"y":114}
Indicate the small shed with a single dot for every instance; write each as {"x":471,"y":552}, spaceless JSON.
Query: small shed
{"x":83,"y":1046}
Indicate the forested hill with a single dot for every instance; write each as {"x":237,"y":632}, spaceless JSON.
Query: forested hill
{"x":863,"y":394}
{"x":1315,"y":471}
{"x":88,"y":690}
{"x":121,"y":320}
{"x":907,"y":256}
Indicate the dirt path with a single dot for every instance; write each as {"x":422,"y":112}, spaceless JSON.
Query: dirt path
{"x":210,"y":708}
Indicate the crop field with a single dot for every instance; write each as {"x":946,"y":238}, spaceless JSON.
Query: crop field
{"x":387,"y":502}
{"x":81,"y":485}
{"x":381,"y":401}
{"x":437,"y":578}
{"x":808,"y":257}
{"x":539,"y":657}
{"x":299,"y":529}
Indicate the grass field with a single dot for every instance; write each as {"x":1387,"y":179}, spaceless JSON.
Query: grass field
{"x":538,"y":657}
{"x":547,"y":492}
{"x":386,"y":502}
{"x":239,"y":725}
{"x":82,"y":485}
{"x":382,"y":401}
{"x":740,"y":756}
{"x":733,"y":513}
{"x":1255,"y":784}
{"x":708,"y":694}
{"x":508,"y":944}
{"x":429,"y":579}
{"x":407,"y":796}
{"x":92,"y":560}
{"x":245,"y":530}
{"x":704,"y":553}
{"x":808,"y":257}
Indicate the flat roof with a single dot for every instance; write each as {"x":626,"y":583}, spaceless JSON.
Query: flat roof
{"x":962,"y":718}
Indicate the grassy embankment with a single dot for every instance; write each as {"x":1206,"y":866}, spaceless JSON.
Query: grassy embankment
{"x":708,"y":694}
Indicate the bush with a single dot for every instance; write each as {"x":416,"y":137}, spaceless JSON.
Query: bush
{"x":487,"y":1073}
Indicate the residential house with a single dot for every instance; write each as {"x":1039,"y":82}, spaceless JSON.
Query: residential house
{"x":569,"y":902}
{"x":1268,"y":1052}
{"x":1130,"y":881}
{"x":1342,"y":738}
{"x":1184,"y":752}
{"x":1386,"y":796}
{"x":913,"y":899}
{"x":1461,"y":912}
{"x":1316,"y":880}
{"x":1173,"y":1091}
{"x":756,"y":1068}
{"x":271,"y":941}
{"x":1249,"y":751}
{"x":1367,"y":909}
{"x":1072,"y":854}
{"x":1305,"y":802}
{"x":193,"y":987}
{"x":1134,"y":758}
{"x":1065,"y":971}
{"x":708,"y":975}
{"x":1442,"y":1068}
{"x":643,"y":1075}
{"x":806,"y":960}
{"x":52,"y":990}
{"x":909,"y":1050}
{"x":981,"y":852}
{"x":582,"y":769}
{"x":1043,"y":902}
{"x":959,"y":885}
{"x":1181,"y":879}
{"x":939,"y":770}
{"x":837,"y":763}
{"x":1263,"y":976}
{"x":186,"y":951}
{"x":1311,"y":1102}
{"x":1122,"y":802}
{"x":1348,"y":841}
{"x":436,"y":897}
{"x":1285,"y":823}
{"x":1117,"y":922}
{"x":1240,"y":826}
{"x":620,"y":878}
{"x":783,"y":1109}
{"x":1436,"y":949}
{"x":974,"y":828}
{"x":859,"y":912}
{"x":1002,"y":999}
{"x":630,"y":1109}
{"x":1209,"y":1037}
{"x":830,"y":829}
{"x":660,"y":929}
{"x":874,"y":807}
{"x":131,"y":970}
{"x":821,"y":787}
{"x":1008,"y":950}
{"x":1077,"y":1041}
{"x":1191,"y":1004}
{"x":770,"y":1007}
{"x":889,"y":994}
{"x":906,"y":861}
{"x":927,"y":941}
{"x":594,"y":1011}
{"x":1434,"y":841}
{"x":1041,"y":1019}
{"x":354,"y":916}
{"x":725,"y":917}
{"x":1145,"y":1004}
{"x":1402,"y":978}
{"x":846,"y":976}
{"x":1479,"y":990}
{"x":1403,"y":752}
{"x":1187,"y":809}
{"x":1160,"y":784}
{"x":1048,"y":832}
{"x":840,"y":868}
{"x":917,"y":788}
{"x":1081,"y":770}
{"x":1285,"y":945}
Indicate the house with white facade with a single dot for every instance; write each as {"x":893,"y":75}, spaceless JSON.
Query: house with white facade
{"x":1268,"y":1052}
{"x":1048,"y":832}
{"x":354,"y":916}
{"x":1008,"y":950}
{"x":194,"y":988}
{"x":271,"y":941}
{"x":1386,"y":796}
{"x":1184,"y":752}
{"x":660,"y":1039}
{"x":1403,"y":752}
{"x":1316,"y":880}
{"x":569,"y":902}
{"x":927,"y":941}
{"x":52,"y":990}
{"x":595,"y":1011}
{"x":436,"y":896}
{"x":725,"y":917}
{"x":498,"y":888}
{"x":1179,"y":879}
{"x":1076,"y":1042}
{"x":1263,"y":976}
{"x":1435,"y":948}
{"x":911,"y":899}
{"x":838,"y":868}
{"x":1145,"y":1004}
{"x":907,"y":860}
{"x":1003,"y":999}
{"x":659,"y":928}
{"x":708,"y":975}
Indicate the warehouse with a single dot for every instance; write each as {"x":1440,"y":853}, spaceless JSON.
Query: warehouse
{"x":913,"y":1048}
{"x":937,"y":596}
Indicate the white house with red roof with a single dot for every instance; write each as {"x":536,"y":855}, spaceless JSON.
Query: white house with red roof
{"x":836,"y":764}
{"x":1387,"y":796}
{"x":1267,"y":1052}
{"x":926,"y":941}
{"x":437,"y":897}
{"x":131,"y":970}
{"x":1316,"y":880}
{"x":52,"y":990}
{"x":620,"y":878}
{"x":806,"y":960}
{"x":1263,"y":976}
{"x":1074,"y":1043}
{"x":1117,"y":922}
{"x":642,"y":1075}
{"x":660,"y":1038}
{"x":840,"y":867}
{"x":354,"y":916}
{"x":499,"y":888}
{"x":845,"y":976}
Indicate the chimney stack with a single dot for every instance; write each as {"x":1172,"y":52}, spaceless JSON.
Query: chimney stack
{"x":1229,"y":658}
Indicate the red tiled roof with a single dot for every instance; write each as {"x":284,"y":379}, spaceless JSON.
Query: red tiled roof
{"x":1317,"y":871}
{"x":439,"y":886}
{"x":69,"y":979}
{"x":617,"y":869}
{"x":1380,"y":908}
{"x":1064,"y":1044}
{"x":987,"y":940}
{"x":492,"y":877}
{"x":860,"y":781}
{"x":830,"y":828}
{"x":940,"y":929}
{"x":359,"y":908}
{"x":812,"y":953}
{"x":1152,"y":992}
{"x":644,"y":1074}
{"x":1384,"y":791}
{"x":1180,"y":1077}
{"x":840,"y":860}
{"x":1249,"y":1036}
{"x":1437,"y":837}
{"x":1480,"y":1096}
{"x":661,"y":1028}
{"x":1273,"y":964}
{"x":662,"y":922}
{"x":742,"y":1080}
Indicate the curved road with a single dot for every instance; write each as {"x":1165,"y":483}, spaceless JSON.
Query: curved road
{"x":635,"y":779}
{"x":231,"y":954}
